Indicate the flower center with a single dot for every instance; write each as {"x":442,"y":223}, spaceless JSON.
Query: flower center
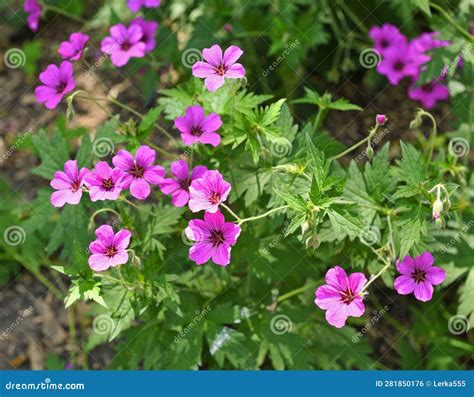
{"x":214,"y":198}
{"x":108,"y":184}
{"x":347,"y":296}
{"x":61,"y":86}
{"x":398,"y":66}
{"x":384,"y":43}
{"x":216,"y":238}
{"x":111,"y":251}
{"x":419,"y":275}
{"x":136,"y":171}
{"x":220,"y":70}
{"x":75,"y":186}
{"x":196,"y":131}
{"x":126,"y":46}
{"x":184,"y":184}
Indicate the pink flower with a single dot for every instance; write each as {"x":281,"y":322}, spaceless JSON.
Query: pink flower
{"x":68,"y":184}
{"x":386,"y":37}
{"x":400,"y":62}
{"x":428,"y":94}
{"x":218,"y":67}
{"x":178,"y":187}
{"x":214,"y":238}
{"x":124,"y":43}
{"x":33,"y":9}
{"x":341,"y":296}
{"x":139,"y":173}
{"x":73,"y":48}
{"x":428,"y":41}
{"x":149,"y":29}
{"x":135,"y":5}
{"x":109,"y":249}
{"x":57,"y":82}
{"x":195,"y":127}
{"x":418,"y":276}
{"x":104,"y":183}
{"x":381,"y":119}
{"x":207,"y":192}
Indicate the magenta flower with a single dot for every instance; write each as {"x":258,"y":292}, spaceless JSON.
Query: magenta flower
{"x":135,"y":5}
{"x":428,"y":41}
{"x":124,"y":43}
{"x":428,"y":94}
{"x":418,"y":276}
{"x":400,"y":62}
{"x":380,"y":119}
{"x":104,"y":183}
{"x":57,"y":82}
{"x":195,"y":127}
{"x":109,"y":249}
{"x":386,"y":37}
{"x":207,"y":192}
{"x":33,"y":9}
{"x":149,"y":29}
{"x":73,"y":48}
{"x":140,"y":172}
{"x":178,"y":187}
{"x":68,"y":184}
{"x":218,"y":67}
{"x":214,"y":238}
{"x":341,"y":296}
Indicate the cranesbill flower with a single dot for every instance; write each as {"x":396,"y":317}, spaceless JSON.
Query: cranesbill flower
{"x":418,"y":275}
{"x":104,"y":183}
{"x":428,"y":41}
{"x":73,"y":48}
{"x":400,"y":62}
{"x":33,"y":9}
{"x":57,"y":82}
{"x":386,"y":37}
{"x":109,"y":249}
{"x":207,"y":192}
{"x":135,"y":5}
{"x":140,"y":172}
{"x":195,"y":127}
{"x":178,"y":187}
{"x":214,"y":238}
{"x":149,"y":29}
{"x":380,"y":119}
{"x":124,"y":43}
{"x":341,"y":296}
{"x":428,"y":94}
{"x":68,"y":184}
{"x":218,"y":67}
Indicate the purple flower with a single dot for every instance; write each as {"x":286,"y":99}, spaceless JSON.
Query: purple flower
{"x":109,"y":249}
{"x":418,"y":276}
{"x":214,"y":238}
{"x":140,"y":172}
{"x":402,"y":61}
{"x":341,"y":296}
{"x":428,"y":41}
{"x":217,"y":67}
{"x":57,"y":82}
{"x":104,"y":183}
{"x":73,"y":48}
{"x":386,"y":38}
{"x":149,"y":29}
{"x":135,"y":5}
{"x":178,"y":187}
{"x":124,"y":43}
{"x":33,"y":9}
{"x":207,"y":192}
{"x":380,"y":119}
{"x":68,"y":184}
{"x":428,"y":94}
{"x":195,"y":127}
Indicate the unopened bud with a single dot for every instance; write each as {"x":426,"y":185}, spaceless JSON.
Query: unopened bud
{"x":370,"y":152}
{"x":439,"y":223}
{"x":437,"y":209}
{"x":381,"y":119}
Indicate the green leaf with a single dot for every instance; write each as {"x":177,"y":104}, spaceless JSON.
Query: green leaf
{"x":53,"y":152}
{"x":410,"y":229}
{"x":149,"y":119}
{"x":295,"y":202}
{"x":423,"y":5}
{"x":345,"y":223}
{"x":466,"y":299}
{"x":411,"y":168}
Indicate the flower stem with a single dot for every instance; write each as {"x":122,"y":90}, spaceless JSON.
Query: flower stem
{"x":434,"y":132}
{"x":353,"y":147}
{"x":104,"y":210}
{"x":231,"y":212}
{"x":448,"y":17}
{"x":252,"y":218}
{"x":160,"y":150}
{"x":296,"y":292}
{"x":387,"y":265}
{"x":60,"y":11}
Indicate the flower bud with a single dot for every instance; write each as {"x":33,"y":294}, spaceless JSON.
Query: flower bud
{"x":437,"y":208}
{"x":370,"y":152}
{"x":439,"y":223}
{"x":380,"y":119}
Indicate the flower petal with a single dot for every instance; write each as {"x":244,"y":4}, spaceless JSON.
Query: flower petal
{"x":140,"y":188}
{"x":404,"y":285}
{"x":423,"y":291}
